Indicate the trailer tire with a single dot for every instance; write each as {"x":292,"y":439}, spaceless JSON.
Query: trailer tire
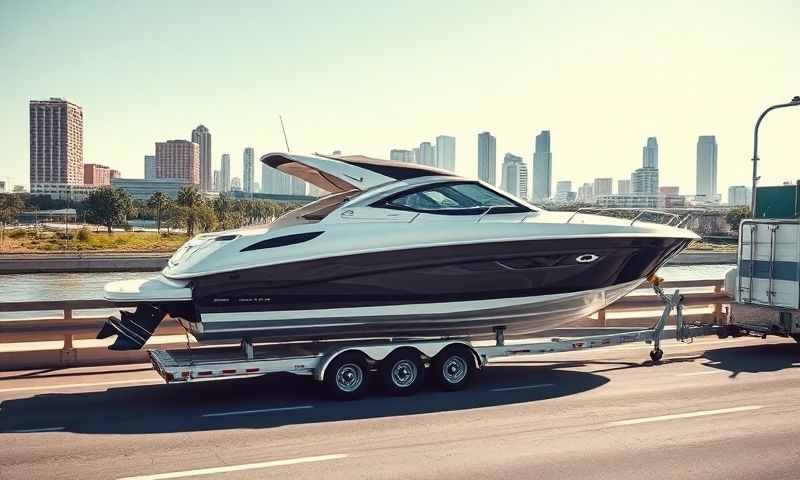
{"x":347,"y":376}
{"x":402,"y":372}
{"x":453,"y":367}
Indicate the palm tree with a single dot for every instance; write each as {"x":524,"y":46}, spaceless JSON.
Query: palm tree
{"x":158,"y":201}
{"x":190,"y":198}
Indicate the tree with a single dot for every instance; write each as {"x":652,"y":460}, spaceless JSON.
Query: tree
{"x":191,"y":201}
{"x":10,"y":206}
{"x":159,"y":202}
{"x":109,"y":207}
{"x":223,"y":207}
{"x":735,"y":216}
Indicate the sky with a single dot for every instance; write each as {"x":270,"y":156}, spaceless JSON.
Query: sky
{"x":366,"y":77}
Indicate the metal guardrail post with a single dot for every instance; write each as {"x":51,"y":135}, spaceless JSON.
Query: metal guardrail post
{"x":68,"y":352}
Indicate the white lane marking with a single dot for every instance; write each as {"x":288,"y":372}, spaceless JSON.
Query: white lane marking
{"x":80,"y":385}
{"x":236,"y":468}
{"x":694,"y":374}
{"x":263,"y":410}
{"x":635,"y":421}
{"x":522,"y":387}
{"x":35,"y":430}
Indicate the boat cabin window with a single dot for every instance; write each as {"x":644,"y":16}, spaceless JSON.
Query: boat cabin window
{"x":464,"y":198}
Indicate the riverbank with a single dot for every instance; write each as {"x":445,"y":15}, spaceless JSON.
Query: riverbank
{"x":88,"y":262}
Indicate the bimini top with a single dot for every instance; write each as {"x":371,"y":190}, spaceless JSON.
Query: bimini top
{"x":347,"y":172}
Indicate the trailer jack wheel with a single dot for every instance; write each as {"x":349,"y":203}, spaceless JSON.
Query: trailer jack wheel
{"x":656,"y":355}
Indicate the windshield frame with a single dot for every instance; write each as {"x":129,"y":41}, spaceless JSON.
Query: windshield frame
{"x":516,"y":206}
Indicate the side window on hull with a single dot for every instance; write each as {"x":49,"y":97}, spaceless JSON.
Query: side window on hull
{"x":453,"y":199}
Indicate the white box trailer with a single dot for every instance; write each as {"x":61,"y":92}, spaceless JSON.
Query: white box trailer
{"x":766,"y":282}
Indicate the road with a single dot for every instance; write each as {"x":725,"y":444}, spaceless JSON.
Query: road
{"x":715,"y":409}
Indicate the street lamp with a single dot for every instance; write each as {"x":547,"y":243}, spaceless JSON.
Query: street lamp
{"x":793,"y":103}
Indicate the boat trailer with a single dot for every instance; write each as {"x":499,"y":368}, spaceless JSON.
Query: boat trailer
{"x":345,"y":367}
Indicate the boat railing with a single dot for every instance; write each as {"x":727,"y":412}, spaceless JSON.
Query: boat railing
{"x":674,"y":219}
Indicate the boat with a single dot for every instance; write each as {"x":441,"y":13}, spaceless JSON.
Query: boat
{"x":395,"y":250}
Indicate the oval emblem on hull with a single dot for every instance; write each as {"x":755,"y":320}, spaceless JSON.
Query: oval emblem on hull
{"x":587,"y":258}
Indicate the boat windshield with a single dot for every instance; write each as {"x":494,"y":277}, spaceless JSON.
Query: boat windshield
{"x":453,"y":198}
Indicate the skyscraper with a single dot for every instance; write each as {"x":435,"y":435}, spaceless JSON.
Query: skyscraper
{"x":650,"y":153}
{"x":274,"y":181}
{"x":515,"y":175}
{"x":602,"y":186}
{"x":225,"y":173}
{"x":202,"y":138}
{"x":446,"y":152}
{"x":416,"y":155}
{"x":298,"y":186}
{"x":247,"y":170}
{"x":623,"y":187}
{"x":150,"y":167}
{"x":738,"y":195}
{"x":426,"y":154}
{"x":644,"y":181}
{"x":236,"y":184}
{"x":487,"y":153}
{"x":56,"y":142}
{"x":706,"y":165}
{"x":400,"y":155}
{"x":178,"y":159}
{"x":215,"y":181}
{"x":542,"y":167}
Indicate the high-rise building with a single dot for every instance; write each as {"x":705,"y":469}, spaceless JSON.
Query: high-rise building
{"x":400,"y":155}
{"x":515,"y":176}
{"x":256,"y":187}
{"x":96,"y":175}
{"x":542,"y":167}
{"x":178,"y":159}
{"x":738,"y":195}
{"x":644,"y":181}
{"x":623,"y":187}
{"x":202,"y":137}
{"x":602,"y":186}
{"x":487,"y":153}
{"x":115,"y":173}
{"x":586,"y":193}
{"x":667,"y":190}
{"x":225,"y":173}
{"x":236,"y":184}
{"x":427,"y":156}
{"x":706,"y":165}
{"x":446,"y":152}
{"x":416,"y":154}
{"x":650,"y":153}
{"x":563,"y":186}
{"x":215,"y":182}
{"x":274,"y":181}
{"x":56,"y":142}
{"x":248,"y":168}
{"x":150,"y":167}
{"x":564,"y":191}
{"x":298,"y":186}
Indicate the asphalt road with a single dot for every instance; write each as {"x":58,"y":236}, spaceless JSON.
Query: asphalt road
{"x":726,"y":409}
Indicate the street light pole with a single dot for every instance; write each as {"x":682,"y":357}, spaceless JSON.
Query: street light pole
{"x":794,"y":102}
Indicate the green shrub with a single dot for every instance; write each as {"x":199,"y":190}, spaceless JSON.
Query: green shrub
{"x":84,"y":235}
{"x":17,"y":234}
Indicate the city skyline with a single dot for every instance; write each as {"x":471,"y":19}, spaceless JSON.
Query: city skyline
{"x":672,"y":78}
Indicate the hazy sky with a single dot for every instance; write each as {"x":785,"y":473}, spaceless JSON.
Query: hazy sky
{"x":365,"y":77}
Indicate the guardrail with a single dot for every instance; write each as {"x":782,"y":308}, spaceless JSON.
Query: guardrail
{"x":67,"y":328}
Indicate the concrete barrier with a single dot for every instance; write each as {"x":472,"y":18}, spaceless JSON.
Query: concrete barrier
{"x":17,"y":350}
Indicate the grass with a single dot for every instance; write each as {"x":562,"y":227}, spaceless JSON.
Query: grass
{"x":712,"y":247}
{"x":22,"y":241}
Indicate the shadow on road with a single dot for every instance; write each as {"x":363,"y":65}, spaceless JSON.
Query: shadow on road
{"x":769,"y":357}
{"x":181,"y":407}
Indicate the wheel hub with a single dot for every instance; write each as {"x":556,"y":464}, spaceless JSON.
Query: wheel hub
{"x":404,"y":373}
{"x":349,"y":377}
{"x":454,"y":369}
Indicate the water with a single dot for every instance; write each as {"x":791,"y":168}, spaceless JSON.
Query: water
{"x":89,"y":286}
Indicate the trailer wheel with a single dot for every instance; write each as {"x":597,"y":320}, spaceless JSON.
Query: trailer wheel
{"x":403,"y":372}
{"x":655,"y":355}
{"x":453,"y":367}
{"x":346,"y":377}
